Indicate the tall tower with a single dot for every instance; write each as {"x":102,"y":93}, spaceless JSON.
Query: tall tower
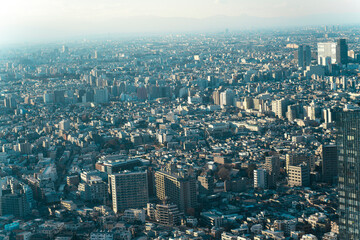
{"x":341,"y":52}
{"x":348,"y":143}
{"x":326,"y":53}
{"x":304,"y":56}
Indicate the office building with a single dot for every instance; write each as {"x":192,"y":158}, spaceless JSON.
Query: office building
{"x":64,"y":125}
{"x":14,"y":204}
{"x":326,"y":53}
{"x":328,"y":115}
{"x":348,"y":143}
{"x":129,"y":190}
{"x":304,"y":56}
{"x":59,"y":96}
{"x":176,"y":189}
{"x":299,"y":175}
{"x":329,"y":163}
{"x":216,"y":97}
{"x":227,"y":98}
{"x":101,"y":95}
{"x":341,"y":52}
{"x":167,"y":214}
{"x":48,"y":97}
{"x":10,"y":102}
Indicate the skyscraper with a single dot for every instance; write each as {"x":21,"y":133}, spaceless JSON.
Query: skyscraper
{"x":341,"y":52}
{"x":10,"y":102}
{"x":326,"y":53}
{"x":129,"y":190}
{"x":304,"y":56}
{"x":348,"y":143}
{"x":180,"y":190}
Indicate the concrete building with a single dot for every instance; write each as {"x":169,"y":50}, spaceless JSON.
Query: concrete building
{"x":167,"y":214}
{"x":299,"y":175}
{"x":304,"y":56}
{"x":326,"y":53}
{"x":341,"y":52}
{"x":260,"y":178}
{"x":129,"y":190}
{"x":329,"y":163}
{"x":348,"y":142}
{"x":180,"y":190}
{"x":14,"y":204}
{"x":206,"y":184}
{"x":94,"y":190}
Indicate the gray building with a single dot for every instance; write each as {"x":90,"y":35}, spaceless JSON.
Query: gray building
{"x":348,"y":142}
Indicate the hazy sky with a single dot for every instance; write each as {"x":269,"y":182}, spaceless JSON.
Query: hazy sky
{"x":24,"y":19}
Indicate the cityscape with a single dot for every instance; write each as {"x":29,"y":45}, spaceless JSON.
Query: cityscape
{"x":231,"y":135}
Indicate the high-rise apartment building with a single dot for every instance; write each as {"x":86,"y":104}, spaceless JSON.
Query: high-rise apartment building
{"x":348,"y":143}
{"x":129,"y":190}
{"x":260,"y":178}
{"x":279,"y":107}
{"x":176,"y":189}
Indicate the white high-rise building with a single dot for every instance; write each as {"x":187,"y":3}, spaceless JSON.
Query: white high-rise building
{"x":279,"y":107}
{"x":326,"y":53}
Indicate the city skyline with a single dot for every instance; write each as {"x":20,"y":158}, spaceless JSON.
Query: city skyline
{"x":207,"y":119}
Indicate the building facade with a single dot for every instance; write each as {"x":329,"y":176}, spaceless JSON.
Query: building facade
{"x":129,"y":190}
{"x":348,"y":143}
